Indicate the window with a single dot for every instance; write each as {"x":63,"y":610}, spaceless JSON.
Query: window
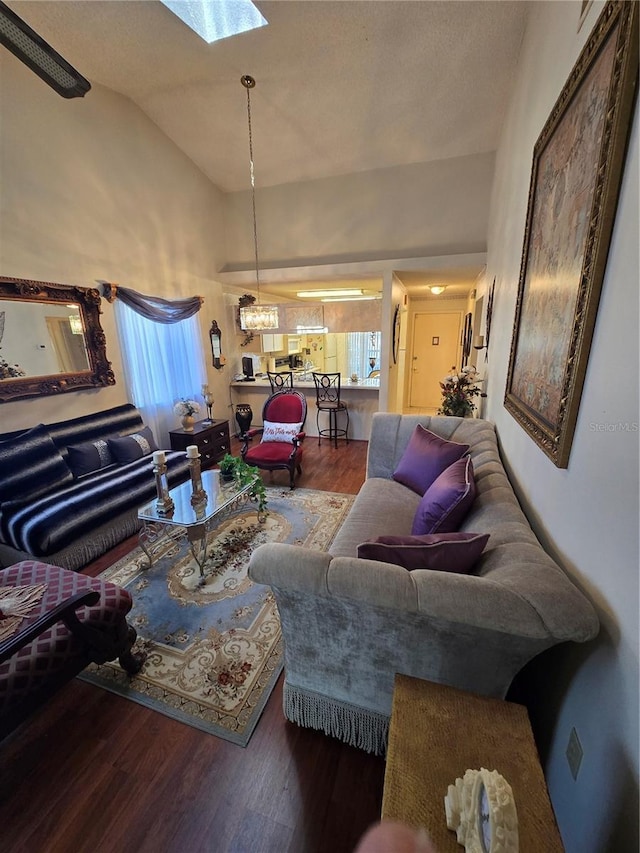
{"x":363,"y":353}
{"x":162,"y":363}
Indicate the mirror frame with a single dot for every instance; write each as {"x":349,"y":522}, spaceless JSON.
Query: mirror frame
{"x":99,"y":373}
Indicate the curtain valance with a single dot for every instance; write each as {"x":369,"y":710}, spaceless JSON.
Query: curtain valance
{"x":153,"y":307}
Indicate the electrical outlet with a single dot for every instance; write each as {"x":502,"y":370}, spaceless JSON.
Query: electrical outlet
{"x":574,"y":753}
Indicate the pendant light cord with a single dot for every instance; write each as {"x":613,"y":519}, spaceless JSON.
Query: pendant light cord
{"x":248,"y":82}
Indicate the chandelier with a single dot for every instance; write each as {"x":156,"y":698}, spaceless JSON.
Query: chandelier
{"x":257,"y":317}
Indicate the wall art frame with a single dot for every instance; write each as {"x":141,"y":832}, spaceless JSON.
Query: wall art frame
{"x":578,"y":162}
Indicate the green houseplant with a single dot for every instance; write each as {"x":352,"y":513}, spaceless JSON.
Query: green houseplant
{"x":235,"y":468}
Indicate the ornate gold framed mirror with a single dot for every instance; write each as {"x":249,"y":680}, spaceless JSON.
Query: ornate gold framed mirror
{"x":51,"y":340}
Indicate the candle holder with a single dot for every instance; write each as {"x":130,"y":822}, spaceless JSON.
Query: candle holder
{"x":164,"y":501}
{"x":208,"y":399}
{"x":198,"y":494}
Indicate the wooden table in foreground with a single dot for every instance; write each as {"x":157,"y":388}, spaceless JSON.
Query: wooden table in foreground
{"x":437,"y":733}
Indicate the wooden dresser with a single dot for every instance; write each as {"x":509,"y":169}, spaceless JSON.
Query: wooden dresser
{"x":437,"y":733}
{"x":211,"y":439}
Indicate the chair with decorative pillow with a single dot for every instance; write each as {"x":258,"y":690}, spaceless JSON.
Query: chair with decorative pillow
{"x":283,"y":417}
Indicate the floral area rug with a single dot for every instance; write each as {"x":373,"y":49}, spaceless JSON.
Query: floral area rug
{"x":214,"y":651}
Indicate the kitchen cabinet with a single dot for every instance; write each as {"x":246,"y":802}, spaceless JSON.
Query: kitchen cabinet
{"x":272,"y":343}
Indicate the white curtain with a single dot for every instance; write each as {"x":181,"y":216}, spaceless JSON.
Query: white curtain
{"x":162,"y":364}
{"x":363,"y":353}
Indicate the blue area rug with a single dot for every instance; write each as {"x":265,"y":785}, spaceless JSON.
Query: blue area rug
{"x":214,"y":652}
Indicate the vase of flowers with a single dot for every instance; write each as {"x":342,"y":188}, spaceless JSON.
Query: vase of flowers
{"x":458,"y":392}
{"x":185,"y":410}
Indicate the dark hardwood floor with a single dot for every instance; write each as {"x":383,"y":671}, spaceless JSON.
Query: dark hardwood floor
{"x":92,"y":771}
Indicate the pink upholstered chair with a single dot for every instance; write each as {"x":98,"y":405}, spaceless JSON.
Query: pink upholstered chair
{"x":76,"y":621}
{"x":283,"y":417}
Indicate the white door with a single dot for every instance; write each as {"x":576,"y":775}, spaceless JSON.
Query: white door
{"x":435,"y":350}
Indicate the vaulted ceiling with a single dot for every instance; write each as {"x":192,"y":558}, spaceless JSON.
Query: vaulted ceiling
{"x":342,"y":87}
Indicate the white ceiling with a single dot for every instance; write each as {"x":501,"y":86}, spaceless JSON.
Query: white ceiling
{"x":342,"y":86}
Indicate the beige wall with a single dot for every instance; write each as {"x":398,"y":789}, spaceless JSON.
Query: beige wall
{"x":424,"y":209}
{"x":92,"y":190}
{"x":586,"y":515}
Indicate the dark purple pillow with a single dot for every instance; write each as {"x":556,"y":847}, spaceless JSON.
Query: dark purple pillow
{"x":442,"y":552}
{"x":425,"y":458}
{"x":132,"y":447}
{"x":446,"y":503}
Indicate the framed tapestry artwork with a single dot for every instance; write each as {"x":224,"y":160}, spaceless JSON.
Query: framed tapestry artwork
{"x":577,"y":167}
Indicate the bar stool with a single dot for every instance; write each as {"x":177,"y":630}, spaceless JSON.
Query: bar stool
{"x":328,"y":400}
{"x":280,"y":381}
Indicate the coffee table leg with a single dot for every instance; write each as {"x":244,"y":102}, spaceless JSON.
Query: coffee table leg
{"x":197,"y":536}
{"x":150,"y":534}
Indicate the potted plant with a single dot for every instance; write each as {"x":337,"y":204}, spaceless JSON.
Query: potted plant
{"x":235,"y":468}
{"x":458,"y":391}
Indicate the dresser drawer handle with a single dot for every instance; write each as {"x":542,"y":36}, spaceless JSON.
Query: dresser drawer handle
{"x":205,"y":441}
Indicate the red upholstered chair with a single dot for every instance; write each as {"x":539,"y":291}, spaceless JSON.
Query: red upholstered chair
{"x":280,"y":447}
{"x":76,"y":621}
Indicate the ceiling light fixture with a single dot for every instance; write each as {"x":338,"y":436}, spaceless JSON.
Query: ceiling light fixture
{"x":255,"y":318}
{"x":437,"y":289}
{"x":349,"y":298}
{"x":25,"y":43}
{"x":318,"y":294}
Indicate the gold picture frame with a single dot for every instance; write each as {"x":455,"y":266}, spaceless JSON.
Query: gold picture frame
{"x":578,"y":161}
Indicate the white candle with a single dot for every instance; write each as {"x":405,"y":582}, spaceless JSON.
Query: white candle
{"x":158,"y":457}
{"x":205,"y":390}
{"x":479,"y":344}
{"x":192,"y":451}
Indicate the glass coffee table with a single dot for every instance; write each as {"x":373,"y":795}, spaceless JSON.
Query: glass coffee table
{"x":193,"y":522}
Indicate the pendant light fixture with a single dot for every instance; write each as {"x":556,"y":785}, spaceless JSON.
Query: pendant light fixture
{"x":257,"y":317}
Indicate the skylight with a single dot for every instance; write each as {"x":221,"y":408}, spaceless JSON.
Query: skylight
{"x":213,"y":20}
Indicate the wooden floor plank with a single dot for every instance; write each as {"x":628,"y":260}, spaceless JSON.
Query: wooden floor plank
{"x":92,"y":771}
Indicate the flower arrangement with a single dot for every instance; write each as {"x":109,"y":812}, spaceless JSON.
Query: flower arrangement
{"x":186,"y":407}
{"x":458,"y":391}
{"x":8,"y":371}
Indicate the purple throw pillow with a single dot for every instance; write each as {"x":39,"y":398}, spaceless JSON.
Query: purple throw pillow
{"x":441,"y":552}
{"x":425,"y":458}
{"x":446,"y":503}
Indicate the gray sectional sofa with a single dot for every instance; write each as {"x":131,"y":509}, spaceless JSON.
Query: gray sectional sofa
{"x":350,"y":624}
{"x":52,"y":511}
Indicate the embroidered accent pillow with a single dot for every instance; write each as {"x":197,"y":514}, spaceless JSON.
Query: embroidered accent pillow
{"x":280,"y":432}
{"x":441,"y":552}
{"x":31,"y":464}
{"x":132,"y":447}
{"x":446,"y":503}
{"x":425,"y":458}
{"x":89,"y":456}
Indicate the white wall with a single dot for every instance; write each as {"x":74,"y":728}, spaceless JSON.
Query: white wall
{"x":586,"y":515}
{"x":91,"y":189}
{"x":423,"y":209}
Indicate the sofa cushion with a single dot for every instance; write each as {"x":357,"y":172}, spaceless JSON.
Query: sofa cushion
{"x":443,"y":552}
{"x":280,"y":432}
{"x":131,"y":447}
{"x":425,"y":458}
{"x":89,"y":456}
{"x":31,"y":464}
{"x":447,"y":501}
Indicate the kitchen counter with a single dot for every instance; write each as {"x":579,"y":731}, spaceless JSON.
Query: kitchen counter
{"x":361,"y":398}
